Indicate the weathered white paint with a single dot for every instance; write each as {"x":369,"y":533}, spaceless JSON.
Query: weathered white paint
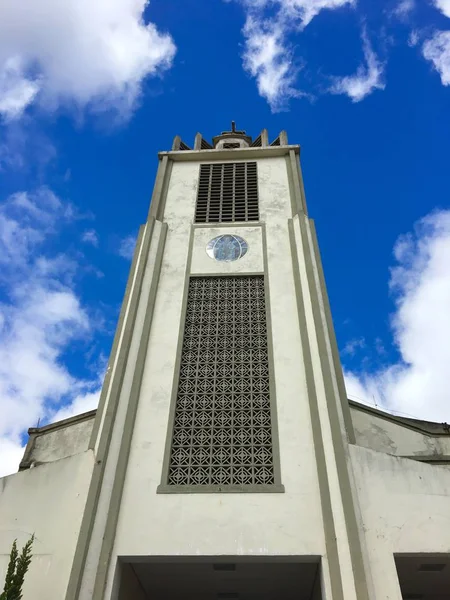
{"x":48,"y":501}
{"x":251,"y":262}
{"x":405,"y":508}
{"x":56,"y":442}
{"x":385,"y":435}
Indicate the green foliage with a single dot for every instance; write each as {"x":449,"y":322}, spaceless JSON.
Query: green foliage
{"x":17,"y":569}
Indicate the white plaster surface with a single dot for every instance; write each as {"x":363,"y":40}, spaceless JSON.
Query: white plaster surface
{"x":62,"y":442}
{"x":48,"y":501}
{"x":378,"y":433}
{"x":251,"y":262}
{"x":405,"y":508}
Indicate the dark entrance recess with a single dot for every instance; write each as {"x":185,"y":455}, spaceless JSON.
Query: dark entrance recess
{"x":220,"y":578}
{"x":424,"y":576}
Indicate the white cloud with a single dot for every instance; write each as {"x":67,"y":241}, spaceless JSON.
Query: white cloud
{"x":16,"y":92}
{"x":90,"y":236}
{"x":352,"y":346}
{"x":268,"y":55}
{"x":41,"y":315}
{"x":404,"y":9}
{"x":301,"y":11}
{"x":437,"y":50}
{"x":267,"y":58}
{"x":127,"y":246}
{"x":80,"y":404}
{"x":443,"y":6}
{"x":413,"y":38}
{"x":77,"y":52}
{"x":367,"y":78}
{"x":420,"y":281}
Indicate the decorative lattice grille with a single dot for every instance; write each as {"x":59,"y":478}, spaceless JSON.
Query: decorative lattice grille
{"x":227,"y":192}
{"x":222,"y":432}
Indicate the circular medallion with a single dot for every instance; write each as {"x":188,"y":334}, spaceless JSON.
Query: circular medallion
{"x":227,"y":248}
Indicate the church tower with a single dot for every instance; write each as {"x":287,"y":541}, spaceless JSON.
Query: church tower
{"x":220,"y":438}
{"x":224,"y":461}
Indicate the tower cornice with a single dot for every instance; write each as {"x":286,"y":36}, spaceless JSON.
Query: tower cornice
{"x":225,"y":154}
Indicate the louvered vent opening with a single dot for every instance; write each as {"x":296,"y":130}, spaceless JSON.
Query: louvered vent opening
{"x":227,"y":192}
{"x":257,"y":142}
{"x":276,"y":142}
{"x":222,"y":431}
{"x":230,"y":145}
{"x":205,"y":145}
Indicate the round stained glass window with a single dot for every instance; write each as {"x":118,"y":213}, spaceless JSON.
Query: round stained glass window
{"x":227,"y":248}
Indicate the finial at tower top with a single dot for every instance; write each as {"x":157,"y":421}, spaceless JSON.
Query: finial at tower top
{"x":233,"y":130}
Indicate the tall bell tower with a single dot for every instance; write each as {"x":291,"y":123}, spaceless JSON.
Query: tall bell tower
{"x":221,"y":438}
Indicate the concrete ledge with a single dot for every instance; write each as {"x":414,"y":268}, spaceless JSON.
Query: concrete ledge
{"x":218,"y":489}
{"x":35,"y":457}
{"x":235,"y":154}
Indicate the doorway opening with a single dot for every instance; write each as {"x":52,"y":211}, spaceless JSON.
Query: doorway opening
{"x":220,"y":578}
{"x":424,"y":576}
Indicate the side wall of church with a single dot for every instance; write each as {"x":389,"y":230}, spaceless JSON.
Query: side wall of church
{"x":48,"y":501}
{"x":404,"y":507}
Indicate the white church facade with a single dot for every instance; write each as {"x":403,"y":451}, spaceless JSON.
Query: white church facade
{"x":224,"y":460}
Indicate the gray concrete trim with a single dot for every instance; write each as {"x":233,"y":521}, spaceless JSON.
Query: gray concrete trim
{"x":332,"y":337}
{"x":26,"y":458}
{"x":221,"y":489}
{"x":325,"y":496}
{"x":294,"y":198}
{"x":264,"y":138}
{"x":220,"y":274}
{"x":176,"y":143}
{"x":283,"y":138}
{"x":157,"y":188}
{"x":87,"y":523}
{"x":223,"y":558}
{"x":112,"y":356}
{"x":302,"y":185}
{"x":125,"y":444}
{"x":296,"y":184}
{"x":163,"y":192}
{"x":351,"y":524}
{"x":176,"y":374}
{"x":64,"y":422}
{"x":443,"y":459}
{"x":237,"y":153}
{"x":198,"y":141}
{"x":407,"y":423}
{"x":272,"y":387}
{"x":227,"y":225}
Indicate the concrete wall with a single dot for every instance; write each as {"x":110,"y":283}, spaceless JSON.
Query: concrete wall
{"x":405,"y":508}
{"x":385,"y":435}
{"x":58,"y":440}
{"x":48,"y":501}
{"x":232,"y":524}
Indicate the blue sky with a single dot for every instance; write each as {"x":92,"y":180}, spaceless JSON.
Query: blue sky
{"x":89,"y":92}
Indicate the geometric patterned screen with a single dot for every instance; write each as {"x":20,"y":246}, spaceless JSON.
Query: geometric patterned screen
{"x":222,"y":433}
{"x":227,"y":192}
